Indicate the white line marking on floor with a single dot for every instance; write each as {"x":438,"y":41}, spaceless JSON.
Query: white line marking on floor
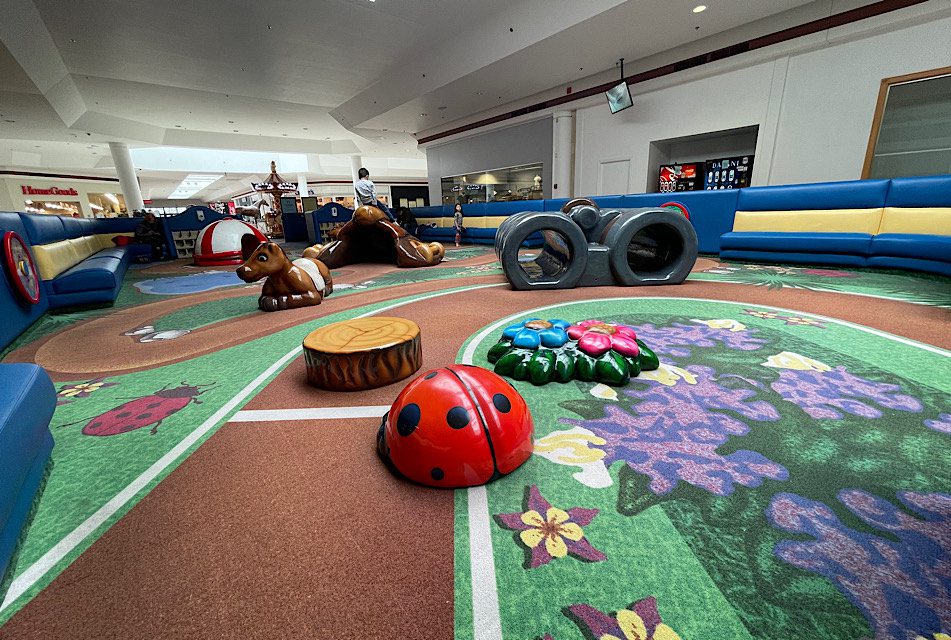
{"x":49,"y":559}
{"x":486,"y":621}
{"x":32,"y":574}
{"x":315,"y":413}
{"x":485,"y":600}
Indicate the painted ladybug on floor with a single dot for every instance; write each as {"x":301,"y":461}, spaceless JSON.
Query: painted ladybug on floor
{"x":458,"y":426}
{"x":143,"y":412}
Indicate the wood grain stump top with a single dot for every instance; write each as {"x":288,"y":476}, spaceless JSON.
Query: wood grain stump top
{"x":363,"y":353}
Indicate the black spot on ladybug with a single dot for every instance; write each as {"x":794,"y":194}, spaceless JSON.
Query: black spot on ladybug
{"x":501,"y":403}
{"x":430,"y":376}
{"x":143,"y":416}
{"x":457,"y":417}
{"x":153,"y":405}
{"x":437,"y":473}
{"x":95,"y":425}
{"x":408,"y":419}
{"x":124,"y":414}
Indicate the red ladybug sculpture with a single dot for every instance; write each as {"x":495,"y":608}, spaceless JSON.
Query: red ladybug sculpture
{"x":458,"y":426}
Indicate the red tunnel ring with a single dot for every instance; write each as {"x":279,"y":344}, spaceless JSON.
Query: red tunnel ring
{"x":16,"y":278}
{"x":679,"y":207}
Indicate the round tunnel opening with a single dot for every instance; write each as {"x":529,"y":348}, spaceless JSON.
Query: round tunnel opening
{"x":545,"y":255}
{"x":655,"y":249}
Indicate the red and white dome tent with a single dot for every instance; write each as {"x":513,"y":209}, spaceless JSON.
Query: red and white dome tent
{"x":219,"y":243}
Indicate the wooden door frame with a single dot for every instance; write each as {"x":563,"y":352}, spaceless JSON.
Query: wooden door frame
{"x":880,"y":109}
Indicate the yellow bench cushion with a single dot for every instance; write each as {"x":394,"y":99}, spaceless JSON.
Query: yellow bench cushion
{"x":54,"y":258}
{"x":930,"y":221}
{"x":810,"y":221}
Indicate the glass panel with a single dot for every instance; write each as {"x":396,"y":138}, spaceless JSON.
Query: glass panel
{"x":915,"y":135}
{"x":498,"y":185}
{"x":107,"y":205}
{"x":54,"y":208}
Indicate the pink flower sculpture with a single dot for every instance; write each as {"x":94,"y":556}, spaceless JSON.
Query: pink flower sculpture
{"x":596,"y":338}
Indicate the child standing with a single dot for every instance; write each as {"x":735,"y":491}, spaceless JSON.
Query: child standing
{"x":457,"y":223}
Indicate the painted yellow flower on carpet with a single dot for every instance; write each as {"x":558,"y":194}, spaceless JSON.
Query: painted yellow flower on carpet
{"x":573,"y":448}
{"x":640,"y":621}
{"x":723,"y":323}
{"x":669,"y":375}
{"x":806,"y":322}
{"x":555,"y":534}
{"x":796,"y":361}
{"x":83,"y":389}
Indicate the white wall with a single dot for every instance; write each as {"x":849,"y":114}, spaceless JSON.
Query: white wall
{"x":814,"y":109}
{"x":510,"y":146}
{"x":830,"y":98}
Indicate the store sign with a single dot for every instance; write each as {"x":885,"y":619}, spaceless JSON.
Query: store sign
{"x":52,"y":191}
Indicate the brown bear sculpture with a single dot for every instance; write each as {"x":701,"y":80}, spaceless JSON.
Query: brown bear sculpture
{"x":372,"y":237}
{"x":289,"y":285}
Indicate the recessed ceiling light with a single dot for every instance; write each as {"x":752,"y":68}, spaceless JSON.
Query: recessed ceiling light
{"x":442,"y":108}
{"x":230,"y":121}
{"x":73,"y":40}
{"x":700,"y":8}
{"x":423,"y":115}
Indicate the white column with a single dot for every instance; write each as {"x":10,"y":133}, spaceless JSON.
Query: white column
{"x":128,"y":181}
{"x":563,"y":154}
{"x":356,"y":162}
{"x":302,"y":185}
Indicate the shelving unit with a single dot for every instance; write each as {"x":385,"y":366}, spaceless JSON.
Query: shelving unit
{"x":185,"y":243}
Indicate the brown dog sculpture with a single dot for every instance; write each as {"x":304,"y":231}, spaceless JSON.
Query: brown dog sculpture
{"x":289,"y":285}
{"x":372,"y":237}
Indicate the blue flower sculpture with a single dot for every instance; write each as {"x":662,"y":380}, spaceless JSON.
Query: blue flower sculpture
{"x":534,"y":332}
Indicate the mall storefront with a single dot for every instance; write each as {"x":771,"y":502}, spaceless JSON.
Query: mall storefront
{"x":85,"y":197}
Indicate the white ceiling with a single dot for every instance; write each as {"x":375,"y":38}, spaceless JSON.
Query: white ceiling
{"x":321,"y":77}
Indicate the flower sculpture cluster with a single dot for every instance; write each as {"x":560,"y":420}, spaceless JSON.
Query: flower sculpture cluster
{"x":545,"y":350}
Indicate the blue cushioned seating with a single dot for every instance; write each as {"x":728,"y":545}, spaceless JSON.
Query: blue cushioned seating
{"x":43,"y":229}
{"x":922,"y":191}
{"x":912,"y":245}
{"x":850,"y":194}
{"x":609,"y":202}
{"x":797,"y":258}
{"x":91,"y":274}
{"x":852,"y":243}
{"x":26,"y":408}
{"x":914,"y":264}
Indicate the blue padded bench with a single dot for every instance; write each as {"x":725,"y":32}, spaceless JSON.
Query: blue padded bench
{"x":77,"y":259}
{"x":903,"y":223}
{"x":26,"y":408}
{"x":915,"y":232}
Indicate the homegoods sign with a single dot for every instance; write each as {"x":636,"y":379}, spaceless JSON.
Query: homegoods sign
{"x":52,"y":191}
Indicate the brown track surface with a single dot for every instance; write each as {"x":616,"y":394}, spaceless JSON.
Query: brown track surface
{"x":269,"y":530}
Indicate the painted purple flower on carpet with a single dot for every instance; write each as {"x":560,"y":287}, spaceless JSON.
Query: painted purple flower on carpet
{"x":676,"y":431}
{"x":942,"y":424}
{"x":826,"y":394}
{"x":901,"y":583}
{"x":639,"y":621}
{"x":673,"y":340}
{"x":548,"y":532}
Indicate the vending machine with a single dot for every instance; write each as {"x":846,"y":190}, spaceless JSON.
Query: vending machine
{"x":728,"y":173}
{"x":680,"y":177}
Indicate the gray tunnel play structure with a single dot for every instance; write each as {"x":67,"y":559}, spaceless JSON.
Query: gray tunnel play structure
{"x":583,"y":246}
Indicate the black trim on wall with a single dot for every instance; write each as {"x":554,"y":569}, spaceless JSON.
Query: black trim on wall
{"x":65,"y":176}
{"x":808,"y":28}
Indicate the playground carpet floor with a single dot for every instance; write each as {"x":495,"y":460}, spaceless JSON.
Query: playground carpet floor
{"x":785,"y":474}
